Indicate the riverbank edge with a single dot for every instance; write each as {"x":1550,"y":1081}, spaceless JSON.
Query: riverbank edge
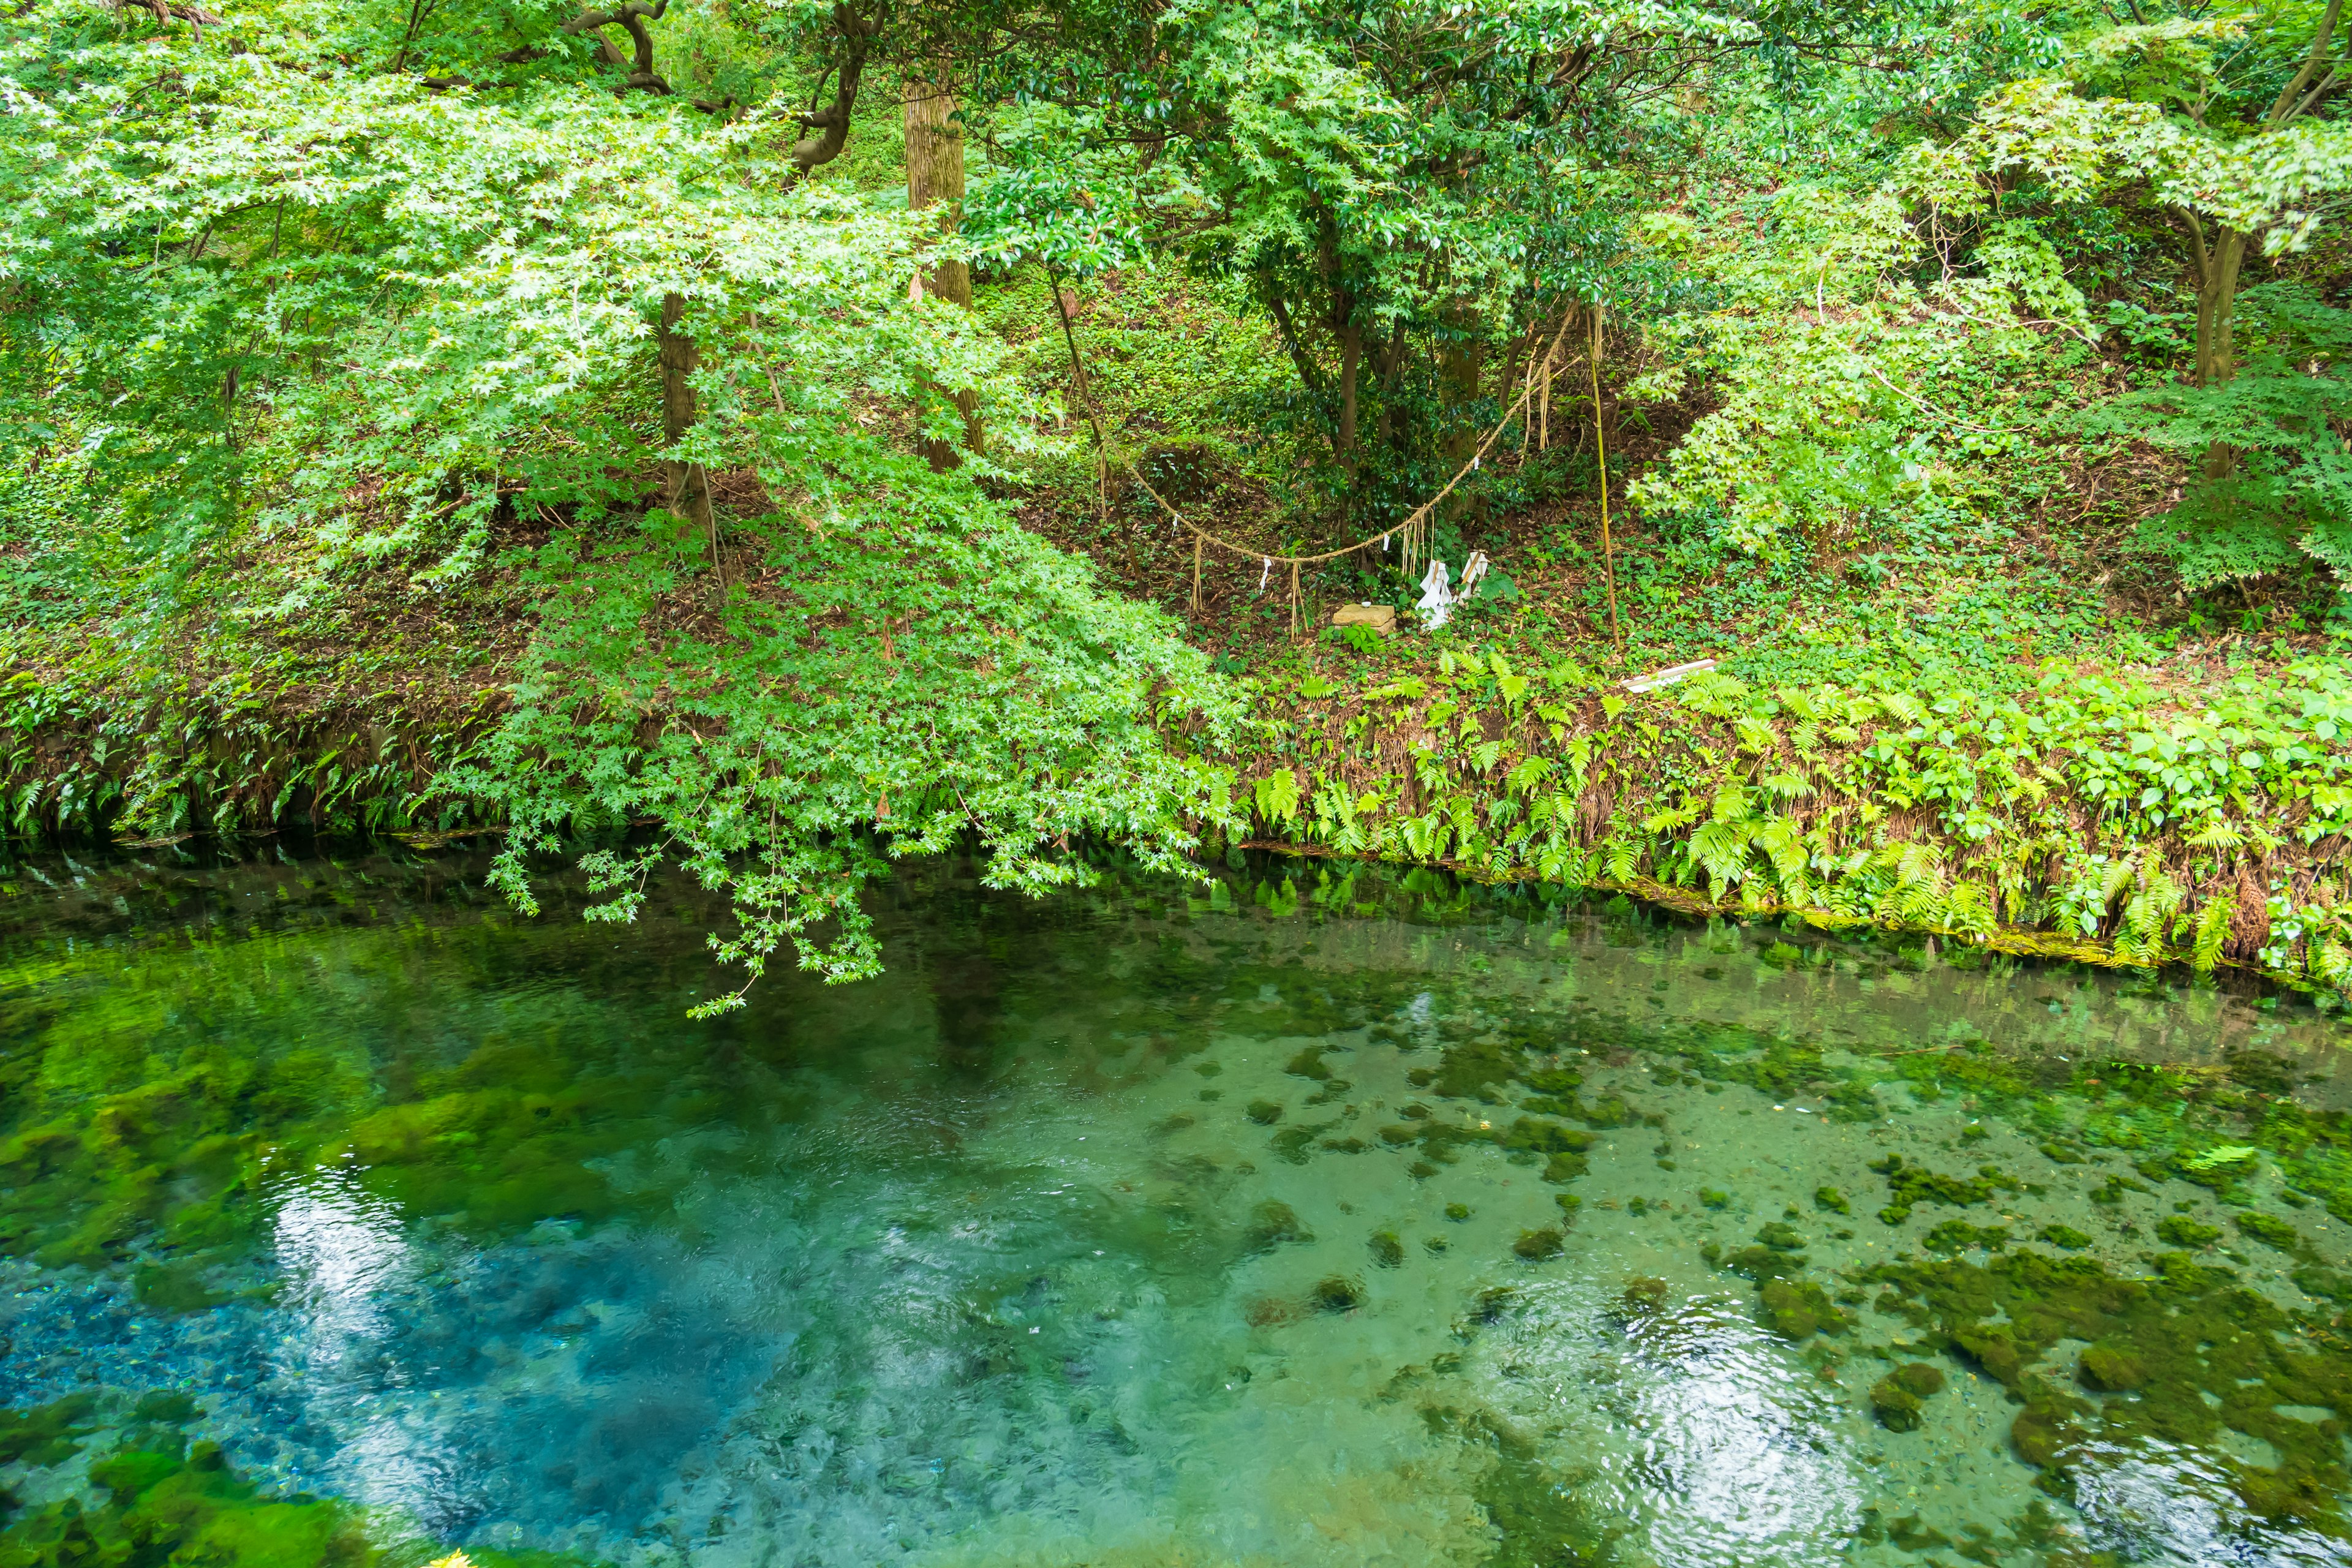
{"x":2102,"y":816}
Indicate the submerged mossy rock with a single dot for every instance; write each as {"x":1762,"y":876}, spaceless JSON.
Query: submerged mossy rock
{"x":2111,"y":1369}
{"x":1545,"y":1137}
{"x":1535,"y":1246}
{"x":1908,"y":1186}
{"x":1562,"y":1169}
{"x":2198,"y":1351}
{"x":47,"y":1433}
{"x":1898,"y":1399}
{"x":1959,"y":1236}
{"x":1645,"y":1294}
{"x":2180,"y":1230}
{"x":1798,"y":1310}
{"x":2272,"y":1231}
{"x":1757,"y":1263}
{"x":1273,"y":1223}
{"x":1337,"y":1293}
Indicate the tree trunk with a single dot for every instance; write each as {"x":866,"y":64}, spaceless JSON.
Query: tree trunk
{"x":1351,"y":358}
{"x":1459,"y":366}
{"x":685,"y":488}
{"x":935,"y":178}
{"x":2216,"y":275}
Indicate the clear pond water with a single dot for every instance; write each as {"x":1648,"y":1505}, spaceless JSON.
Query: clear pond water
{"x":1328,"y":1219}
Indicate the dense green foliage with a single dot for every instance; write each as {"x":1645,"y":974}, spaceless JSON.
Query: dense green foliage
{"x":431,"y":416}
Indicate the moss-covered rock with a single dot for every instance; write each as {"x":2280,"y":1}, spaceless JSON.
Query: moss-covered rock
{"x":1899,"y":1398}
{"x":2111,"y":1369}
{"x":1337,"y":1293}
{"x":2180,"y":1230}
{"x":1798,"y":1310}
{"x":1910,"y":1185}
{"x":1274,"y":1223}
{"x":2271,"y":1231}
{"x":1535,"y":1246}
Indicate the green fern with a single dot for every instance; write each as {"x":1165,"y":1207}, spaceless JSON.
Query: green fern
{"x":2213,"y":931}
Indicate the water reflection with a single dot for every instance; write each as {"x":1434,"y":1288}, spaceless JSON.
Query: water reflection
{"x":341,"y":1251}
{"x":2154,"y":1502}
{"x":1701,"y":1431}
{"x":346,"y":1265}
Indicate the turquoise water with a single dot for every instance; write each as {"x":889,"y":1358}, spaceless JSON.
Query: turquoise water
{"x":1322,"y":1220}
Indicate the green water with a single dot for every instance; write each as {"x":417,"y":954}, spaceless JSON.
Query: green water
{"x":348,"y":1217}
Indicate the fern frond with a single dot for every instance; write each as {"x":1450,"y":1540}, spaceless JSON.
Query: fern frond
{"x":2213,"y":931}
{"x":1904,"y":706}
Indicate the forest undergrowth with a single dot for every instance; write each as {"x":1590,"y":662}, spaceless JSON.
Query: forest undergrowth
{"x":2022,"y":609}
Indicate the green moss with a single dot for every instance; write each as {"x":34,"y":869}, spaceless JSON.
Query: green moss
{"x":1798,"y":1310}
{"x":1643,"y":1294}
{"x":2201,"y":1353}
{"x":2063,"y":1236}
{"x":1922,"y":1378}
{"x":1959,"y":1236}
{"x":1308,"y":1063}
{"x":2270,"y":1230}
{"x":1543,"y":1137}
{"x":1713,"y":1199}
{"x":1910,"y":1185}
{"x":2328,"y":1284}
{"x":178,"y":1286}
{"x":1458,"y":1212}
{"x":1264,"y":1112}
{"x":1610,"y":1112}
{"x":2111,"y":1369}
{"x":46,"y":1435}
{"x":1897,"y":1408}
{"x":1536,"y":1521}
{"x":1337,"y":1293}
{"x":1780,"y":1237}
{"x":1474,"y":1069}
{"x":1782,"y":1069}
{"x":1980,"y":1070}
{"x":183,"y":1505}
{"x":2180,"y":1230}
{"x":1757,"y":1263}
{"x":2111,"y":1192}
{"x":1274,"y":1223}
{"x":1388,"y":1251}
{"x":1898,"y":1399}
{"x":1535,"y":1246}
{"x":136,"y":1118}
{"x":1561,"y":1169}
{"x":1832,"y":1200}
